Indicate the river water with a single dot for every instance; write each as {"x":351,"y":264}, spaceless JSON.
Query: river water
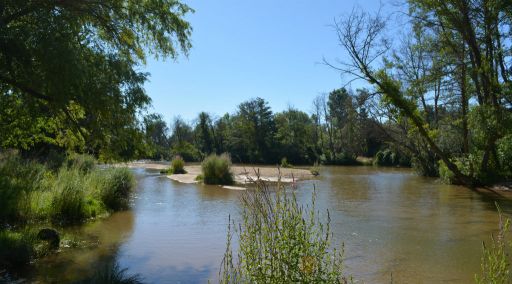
{"x":393,"y":223}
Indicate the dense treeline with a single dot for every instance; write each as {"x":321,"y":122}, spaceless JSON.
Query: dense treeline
{"x":336,"y":133}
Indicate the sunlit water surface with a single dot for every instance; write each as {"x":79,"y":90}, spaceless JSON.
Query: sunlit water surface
{"x":394,"y":224}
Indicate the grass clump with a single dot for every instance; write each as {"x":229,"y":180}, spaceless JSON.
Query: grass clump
{"x":315,"y":170}
{"x":117,"y":186}
{"x":217,"y":170}
{"x":285,"y":164}
{"x":177,"y":167}
{"x":280,"y":241}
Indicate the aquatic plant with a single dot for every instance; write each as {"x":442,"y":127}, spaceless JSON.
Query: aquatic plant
{"x":280,"y":241}
{"x":217,"y":170}
{"x":111,"y":273}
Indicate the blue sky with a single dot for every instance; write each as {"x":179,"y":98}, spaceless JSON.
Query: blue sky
{"x":244,"y":49}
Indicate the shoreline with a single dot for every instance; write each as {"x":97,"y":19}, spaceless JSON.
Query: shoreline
{"x":242,"y":175}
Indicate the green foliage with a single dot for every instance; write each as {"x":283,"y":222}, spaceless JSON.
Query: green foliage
{"x":294,"y":136}
{"x":495,"y":263}
{"x":81,"y":162}
{"x":389,"y":158}
{"x":18,"y":179}
{"x":177,"y":167}
{"x":70,"y":75}
{"x":285,"y":164}
{"x":29,"y":192}
{"x":280,"y":241}
{"x":186,"y":150}
{"x":217,"y":170}
{"x":504,"y":146}
{"x":70,"y":198}
{"x":315,"y":169}
{"x":116,"y":185}
{"x":16,"y":249}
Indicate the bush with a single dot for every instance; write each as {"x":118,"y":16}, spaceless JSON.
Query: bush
{"x":280,"y":241}
{"x":116,"y":187}
{"x":217,"y":170}
{"x":177,"y":167}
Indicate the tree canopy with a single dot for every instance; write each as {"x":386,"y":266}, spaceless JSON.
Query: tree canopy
{"x":69,"y":70}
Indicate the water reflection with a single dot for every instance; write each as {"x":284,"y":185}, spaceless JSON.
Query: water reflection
{"x":391,"y":221}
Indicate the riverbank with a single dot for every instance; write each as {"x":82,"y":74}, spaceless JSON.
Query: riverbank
{"x":242,"y":174}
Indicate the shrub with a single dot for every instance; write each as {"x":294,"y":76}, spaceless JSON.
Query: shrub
{"x":285,"y":164}
{"x":177,"y":166}
{"x":217,"y":170}
{"x":280,"y":241}
{"x":116,"y":187}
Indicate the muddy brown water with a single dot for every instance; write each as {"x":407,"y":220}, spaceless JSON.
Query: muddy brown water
{"x":394,"y":224}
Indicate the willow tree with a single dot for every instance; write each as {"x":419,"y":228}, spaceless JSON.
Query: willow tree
{"x":457,"y":62}
{"x":69,"y":70}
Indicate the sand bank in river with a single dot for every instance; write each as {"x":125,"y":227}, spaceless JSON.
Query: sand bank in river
{"x":242,"y":174}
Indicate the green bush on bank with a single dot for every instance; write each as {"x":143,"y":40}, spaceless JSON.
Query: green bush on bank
{"x":177,"y":167}
{"x":280,"y":241}
{"x":217,"y":170}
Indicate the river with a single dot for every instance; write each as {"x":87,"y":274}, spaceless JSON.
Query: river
{"x":393,"y":223}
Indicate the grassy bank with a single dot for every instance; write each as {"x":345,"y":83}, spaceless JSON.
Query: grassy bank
{"x":33,"y":194}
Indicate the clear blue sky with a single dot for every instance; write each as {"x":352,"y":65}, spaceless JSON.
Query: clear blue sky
{"x":244,"y":49}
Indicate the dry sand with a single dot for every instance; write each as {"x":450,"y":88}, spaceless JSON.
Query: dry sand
{"x":242,"y":174}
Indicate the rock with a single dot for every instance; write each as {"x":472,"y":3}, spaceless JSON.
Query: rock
{"x":49,"y":235}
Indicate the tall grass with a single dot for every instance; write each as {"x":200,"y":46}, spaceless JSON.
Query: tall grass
{"x":116,"y":188}
{"x":281,"y":241}
{"x":177,"y":166}
{"x":495,"y":263}
{"x":31,"y":193}
{"x":217,"y":170}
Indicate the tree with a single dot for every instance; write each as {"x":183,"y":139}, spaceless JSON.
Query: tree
{"x":74,"y":65}
{"x":253,"y":132}
{"x":454,"y":58}
{"x":156,"y":134}
{"x":295,"y":136}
